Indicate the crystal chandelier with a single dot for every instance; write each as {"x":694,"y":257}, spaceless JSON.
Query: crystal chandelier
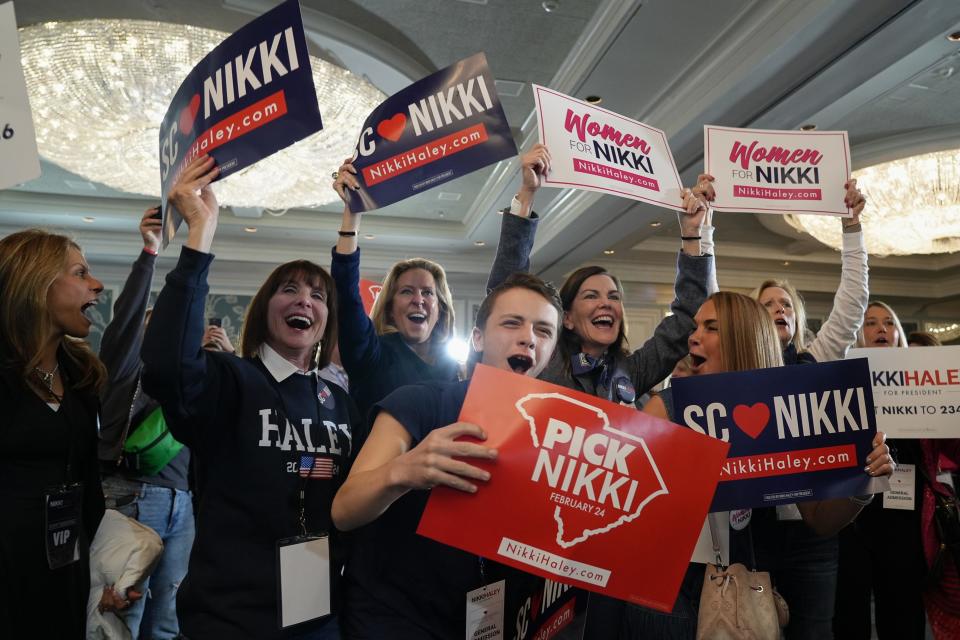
{"x":913,"y":206}
{"x":99,"y":90}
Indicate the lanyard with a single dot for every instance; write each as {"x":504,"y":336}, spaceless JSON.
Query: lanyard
{"x":284,"y":415}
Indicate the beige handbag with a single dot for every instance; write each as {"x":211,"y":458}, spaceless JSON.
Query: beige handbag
{"x":737,"y":603}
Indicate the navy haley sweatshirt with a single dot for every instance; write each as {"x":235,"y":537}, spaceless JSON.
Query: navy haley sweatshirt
{"x":257,"y":436}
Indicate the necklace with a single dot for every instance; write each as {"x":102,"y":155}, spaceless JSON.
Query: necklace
{"x":46,"y":377}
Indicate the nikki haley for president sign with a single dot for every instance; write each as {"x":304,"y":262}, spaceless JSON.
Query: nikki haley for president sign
{"x":583,"y":491}
{"x":439,"y":128}
{"x":796,"y":433}
{"x":917,"y":391}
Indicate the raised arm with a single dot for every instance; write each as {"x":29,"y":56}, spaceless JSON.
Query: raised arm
{"x":357,"y":337}
{"x":176,"y":367}
{"x":518,"y":227}
{"x":839,"y":331}
{"x":705,"y":192}
{"x":120,"y":346}
{"x":122,"y":340}
{"x":654,"y":361}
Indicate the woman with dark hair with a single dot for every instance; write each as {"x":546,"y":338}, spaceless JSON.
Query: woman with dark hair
{"x":49,"y":476}
{"x":735,"y":333}
{"x":412,"y":319}
{"x":592,"y":353}
{"x":273,"y":441}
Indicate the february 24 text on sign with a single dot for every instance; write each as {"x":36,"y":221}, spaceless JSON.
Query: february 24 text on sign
{"x":583,"y":491}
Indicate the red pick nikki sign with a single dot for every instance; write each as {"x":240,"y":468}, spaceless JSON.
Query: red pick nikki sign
{"x":584,"y":491}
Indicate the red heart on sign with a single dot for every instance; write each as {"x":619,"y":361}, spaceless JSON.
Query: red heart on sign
{"x":752,"y":420}
{"x":392,"y":129}
{"x":189,"y":114}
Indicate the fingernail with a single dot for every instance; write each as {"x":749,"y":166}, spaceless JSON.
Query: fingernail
{"x":486,"y":476}
{"x":356,"y":188}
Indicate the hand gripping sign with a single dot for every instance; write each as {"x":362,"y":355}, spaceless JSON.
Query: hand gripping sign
{"x":584,"y":491}
{"x":796,"y":433}
{"x":599,"y":150}
{"x":778,"y":171}
{"x":250,"y":97}
{"x":439,"y":128}
{"x":917,"y":391}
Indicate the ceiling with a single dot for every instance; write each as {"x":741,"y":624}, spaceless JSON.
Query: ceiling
{"x":881,"y":69}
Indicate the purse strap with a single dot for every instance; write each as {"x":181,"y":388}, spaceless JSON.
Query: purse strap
{"x":715,"y":538}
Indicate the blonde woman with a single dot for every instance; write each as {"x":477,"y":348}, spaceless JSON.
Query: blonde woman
{"x":405,"y":340}
{"x":881,"y":555}
{"x":49,"y":379}
{"x":810,"y":562}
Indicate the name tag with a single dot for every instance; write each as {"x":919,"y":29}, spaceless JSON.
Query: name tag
{"x":62,"y":521}
{"x":903,"y":488}
{"x":946,"y":478}
{"x":485,"y":612}
{"x":303,"y":577}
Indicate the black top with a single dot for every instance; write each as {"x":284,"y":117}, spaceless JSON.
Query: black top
{"x":35,"y":442}
{"x":790,"y":356}
{"x":401,"y":585}
{"x":377,"y":365}
{"x":253,"y":437}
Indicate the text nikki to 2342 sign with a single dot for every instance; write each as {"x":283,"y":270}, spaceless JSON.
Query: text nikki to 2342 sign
{"x":917,"y":390}
{"x":796,"y":433}
{"x":439,"y":128}
{"x":583,"y":491}
{"x":778,"y":171}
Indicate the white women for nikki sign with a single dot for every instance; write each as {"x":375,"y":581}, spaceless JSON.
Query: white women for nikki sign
{"x":778,"y":171}
{"x":599,"y":150}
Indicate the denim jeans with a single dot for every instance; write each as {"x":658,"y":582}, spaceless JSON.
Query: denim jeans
{"x":806,"y":577}
{"x":169,"y":512}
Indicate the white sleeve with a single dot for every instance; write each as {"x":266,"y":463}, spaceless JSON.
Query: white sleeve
{"x":707,"y":248}
{"x":839,"y":331}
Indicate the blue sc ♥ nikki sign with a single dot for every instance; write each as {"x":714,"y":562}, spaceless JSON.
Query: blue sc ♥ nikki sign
{"x":437,"y":129}
{"x":250,"y":97}
{"x":796,"y":433}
